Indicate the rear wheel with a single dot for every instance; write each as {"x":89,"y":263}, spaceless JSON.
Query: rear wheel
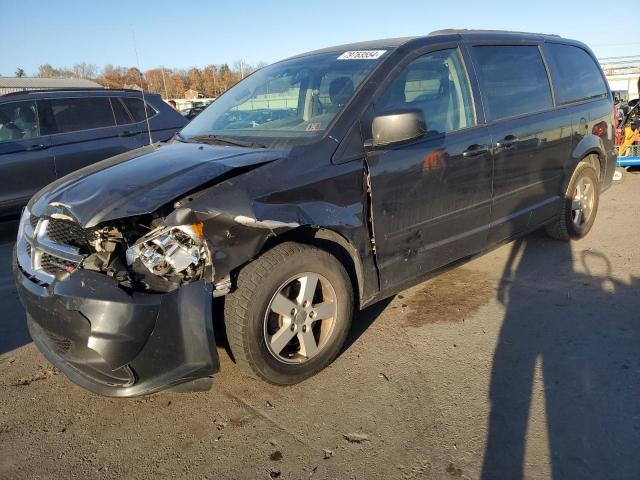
{"x":290,"y":313}
{"x":580,"y":205}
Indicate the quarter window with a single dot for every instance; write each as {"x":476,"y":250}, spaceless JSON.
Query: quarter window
{"x":575,"y":74}
{"x":513,"y":80}
{"x":437,"y":84}
{"x":18,"y":121}
{"x":136,"y":108}
{"x":73,"y":114}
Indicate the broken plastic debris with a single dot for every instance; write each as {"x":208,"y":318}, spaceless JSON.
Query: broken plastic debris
{"x":356,"y":437}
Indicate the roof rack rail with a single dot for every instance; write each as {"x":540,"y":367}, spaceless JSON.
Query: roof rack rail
{"x":452,"y":31}
{"x":74,"y":89}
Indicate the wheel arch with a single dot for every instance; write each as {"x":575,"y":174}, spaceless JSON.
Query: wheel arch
{"x":332,"y":242}
{"x":591,"y":150}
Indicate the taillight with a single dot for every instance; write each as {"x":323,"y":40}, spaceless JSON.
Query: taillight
{"x":600,"y":129}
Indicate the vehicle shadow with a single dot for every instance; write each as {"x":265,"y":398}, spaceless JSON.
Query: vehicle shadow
{"x":581,"y":328}
{"x":13,"y":328}
{"x":362,"y":320}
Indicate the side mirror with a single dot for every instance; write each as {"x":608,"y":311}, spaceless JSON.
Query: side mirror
{"x":398,"y":126}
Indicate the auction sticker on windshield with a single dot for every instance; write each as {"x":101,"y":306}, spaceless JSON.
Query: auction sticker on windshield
{"x":362,"y":55}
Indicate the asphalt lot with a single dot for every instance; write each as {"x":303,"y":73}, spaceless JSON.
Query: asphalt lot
{"x":524,"y":361}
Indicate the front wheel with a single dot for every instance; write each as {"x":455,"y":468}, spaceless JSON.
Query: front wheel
{"x":290,"y":313}
{"x":579,"y":207}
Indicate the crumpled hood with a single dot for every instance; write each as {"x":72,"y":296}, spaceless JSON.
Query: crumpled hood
{"x":142,"y":180}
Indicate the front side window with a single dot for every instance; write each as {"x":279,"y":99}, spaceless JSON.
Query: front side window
{"x":437,"y":84}
{"x":513,"y":80}
{"x":18,"y":121}
{"x":296,"y":98}
{"x":74,"y":114}
{"x":575,"y":74}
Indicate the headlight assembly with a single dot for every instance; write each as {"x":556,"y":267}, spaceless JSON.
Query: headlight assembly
{"x":178,"y":251}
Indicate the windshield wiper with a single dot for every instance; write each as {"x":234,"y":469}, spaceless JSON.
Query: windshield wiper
{"x":226,"y":140}
{"x":179,"y":137}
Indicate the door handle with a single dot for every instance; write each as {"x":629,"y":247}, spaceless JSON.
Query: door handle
{"x":127,"y":133}
{"x":475,"y":151}
{"x":507,"y":142}
{"x":34,"y":148}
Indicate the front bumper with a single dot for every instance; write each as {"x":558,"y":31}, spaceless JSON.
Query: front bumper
{"x":117,"y":344}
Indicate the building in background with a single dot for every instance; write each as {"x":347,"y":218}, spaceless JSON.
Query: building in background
{"x":192,"y":94}
{"x":623,"y":74}
{"x":20,"y":84}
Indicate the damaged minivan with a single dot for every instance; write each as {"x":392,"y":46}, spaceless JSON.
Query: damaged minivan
{"x":316,"y":186}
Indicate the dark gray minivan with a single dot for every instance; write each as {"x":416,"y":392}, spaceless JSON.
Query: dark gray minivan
{"x":46,"y":134}
{"x":317,"y":185}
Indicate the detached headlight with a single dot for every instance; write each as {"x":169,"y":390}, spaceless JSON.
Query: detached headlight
{"x":171,"y":251}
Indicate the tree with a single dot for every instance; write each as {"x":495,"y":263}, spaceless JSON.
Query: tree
{"x":156,"y":81}
{"x":195,"y":80}
{"x":210,"y":81}
{"x":46,"y":71}
{"x":19,"y":72}
{"x":113,"y":77}
{"x":175,"y":85}
{"x":228,"y":78}
{"x":134,"y":77}
{"x":85,"y":70}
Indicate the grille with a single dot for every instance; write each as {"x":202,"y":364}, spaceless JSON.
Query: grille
{"x":53,"y":265}
{"x":68,"y":233}
{"x":49,"y":246}
{"x":59,"y":344}
{"x":33,"y":220}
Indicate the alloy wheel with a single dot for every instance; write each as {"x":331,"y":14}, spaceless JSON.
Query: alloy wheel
{"x":300,"y":318}
{"x":582,"y":202}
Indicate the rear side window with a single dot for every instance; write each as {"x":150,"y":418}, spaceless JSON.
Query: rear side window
{"x":513,"y":80}
{"x":122,"y":117}
{"x":74,"y":114}
{"x":575,"y":74}
{"x":18,"y":121}
{"x":136,"y":108}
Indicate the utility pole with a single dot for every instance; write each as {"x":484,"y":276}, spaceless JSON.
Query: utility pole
{"x":166,"y":95}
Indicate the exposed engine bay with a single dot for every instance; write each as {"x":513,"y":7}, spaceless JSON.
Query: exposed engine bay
{"x":145,"y":254}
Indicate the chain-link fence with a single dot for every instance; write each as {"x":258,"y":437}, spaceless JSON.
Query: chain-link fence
{"x":629,"y":156}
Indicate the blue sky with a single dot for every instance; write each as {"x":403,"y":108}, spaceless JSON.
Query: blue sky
{"x":193,"y":33}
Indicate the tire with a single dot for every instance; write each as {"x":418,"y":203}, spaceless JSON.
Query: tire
{"x":565,"y":227}
{"x":252,"y":324}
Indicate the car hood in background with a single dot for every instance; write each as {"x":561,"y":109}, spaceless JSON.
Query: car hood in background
{"x":143,"y":180}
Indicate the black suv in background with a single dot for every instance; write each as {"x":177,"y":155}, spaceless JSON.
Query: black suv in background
{"x":46,"y":134}
{"x":319,"y":184}
{"x":193,"y":112}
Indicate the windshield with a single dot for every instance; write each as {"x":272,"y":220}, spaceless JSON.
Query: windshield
{"x":293,"y":99}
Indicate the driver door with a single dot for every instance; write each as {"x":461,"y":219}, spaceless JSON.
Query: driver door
{"x":431,"y":197}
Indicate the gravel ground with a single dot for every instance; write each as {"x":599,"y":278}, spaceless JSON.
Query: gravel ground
{"x":523,"y":362}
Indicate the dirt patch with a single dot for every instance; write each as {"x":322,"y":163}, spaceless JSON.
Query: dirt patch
{"x":41,"y":375}
{"x":451,"y":297}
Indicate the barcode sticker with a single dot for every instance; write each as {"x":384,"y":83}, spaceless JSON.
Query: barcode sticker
{"x":362,"y":55}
